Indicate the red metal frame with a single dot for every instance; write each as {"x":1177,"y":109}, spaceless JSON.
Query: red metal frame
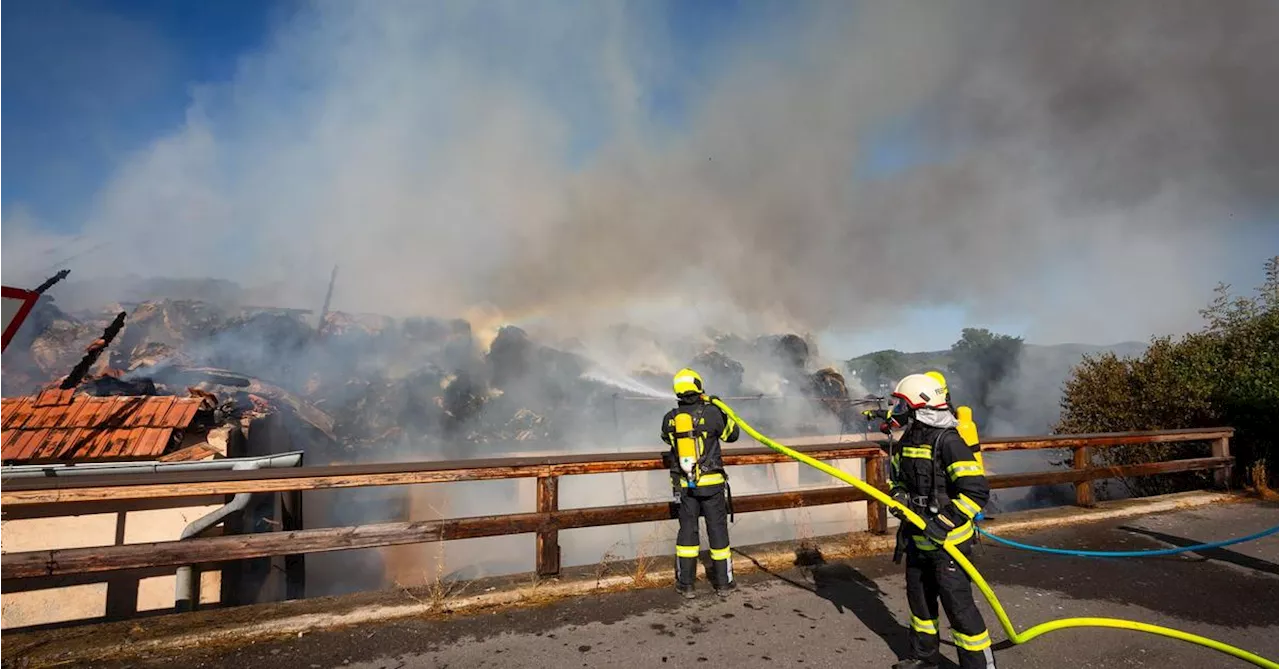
{"x":28,"y":298}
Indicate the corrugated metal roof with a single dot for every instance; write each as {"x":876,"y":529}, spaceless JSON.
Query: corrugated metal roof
{"x":57,"y":426}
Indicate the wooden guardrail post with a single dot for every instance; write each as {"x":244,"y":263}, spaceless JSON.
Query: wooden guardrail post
{"x":548,"y":558}
{"x":295,"y":564}
{"x":1082,"y":458}
{"x":1222,"y":449}
{"x":876,"y":475}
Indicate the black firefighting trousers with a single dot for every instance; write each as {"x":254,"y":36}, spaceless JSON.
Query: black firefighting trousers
{"x":932,"y":575}
{"x":711,"y":505}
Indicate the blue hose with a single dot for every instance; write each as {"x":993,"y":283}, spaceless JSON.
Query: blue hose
{"x":1121,"y":554}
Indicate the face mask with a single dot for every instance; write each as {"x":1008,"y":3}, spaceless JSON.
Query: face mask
{"x":900,"y":414}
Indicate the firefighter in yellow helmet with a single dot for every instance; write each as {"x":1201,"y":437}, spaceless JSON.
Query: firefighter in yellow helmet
{"x":935,"y":474}
{"x":694,"y":430}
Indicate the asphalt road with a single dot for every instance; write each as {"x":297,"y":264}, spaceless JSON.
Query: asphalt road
{"x":851,"y":613}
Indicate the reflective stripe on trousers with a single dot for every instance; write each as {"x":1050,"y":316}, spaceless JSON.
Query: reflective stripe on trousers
{"x":935,"y":581}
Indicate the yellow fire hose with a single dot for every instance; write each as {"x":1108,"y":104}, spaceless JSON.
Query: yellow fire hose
{"x":1014,"y":636}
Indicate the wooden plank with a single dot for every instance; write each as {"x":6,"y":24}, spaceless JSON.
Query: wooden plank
{"x":90,"y":488}
{"x":548,"y":541}
{"x":1104,"y":439}
{"x":220,"y":549}
{"x":21,"y":511}
{"x":1081,"y":459}
{"x":1093,"y":473}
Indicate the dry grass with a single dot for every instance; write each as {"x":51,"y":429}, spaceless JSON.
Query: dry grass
{"x":435,"y":591}
{"x":855,"y":544}
{"x":535,"y":594}
{"x":606,"y":564}
{"x":646,"y":555}
{"x":1258,"y":486}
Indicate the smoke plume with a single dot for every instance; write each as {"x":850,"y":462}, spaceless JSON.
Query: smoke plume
{"x":462,"y":156}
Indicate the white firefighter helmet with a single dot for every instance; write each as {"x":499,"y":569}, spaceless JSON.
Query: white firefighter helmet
{"x":919,"y":391}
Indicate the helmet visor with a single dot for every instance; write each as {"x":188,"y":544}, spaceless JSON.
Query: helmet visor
{"x":900,"y":412}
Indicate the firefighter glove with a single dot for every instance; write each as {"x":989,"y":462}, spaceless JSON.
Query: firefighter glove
{"x":901,"y":497}
{"x":936,"y":529}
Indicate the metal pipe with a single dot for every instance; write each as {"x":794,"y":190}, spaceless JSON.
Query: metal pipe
{"x":186,"y":587}
{"x":150,"y":466}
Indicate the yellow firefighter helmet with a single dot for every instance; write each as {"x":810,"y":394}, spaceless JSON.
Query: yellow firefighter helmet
{"x":687,"y":381}
{"x":942,"y":380}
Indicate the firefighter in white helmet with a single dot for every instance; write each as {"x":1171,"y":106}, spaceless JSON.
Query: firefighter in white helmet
{"x":694,"y":430}
{"x":935,"y":474}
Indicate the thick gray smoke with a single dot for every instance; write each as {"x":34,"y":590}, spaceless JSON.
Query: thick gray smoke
{"x":455,"y":155}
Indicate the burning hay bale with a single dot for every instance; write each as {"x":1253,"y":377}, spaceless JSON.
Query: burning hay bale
{"x":720,"y":372}
{"x":463,"y":399}
{"x":150,"y":354}
{"x":790,"y":349}
{"x":339,"y":324}
{"x":511,"y":355}
{"x":174,"y":323}
{"x":369,"y":412}
{"x":524,"y":426}
{"x":828,"y":384}
{"x":47,"y":346}
{"x":828,"y":387}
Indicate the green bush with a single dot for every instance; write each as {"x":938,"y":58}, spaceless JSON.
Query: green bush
{"x":1224,"y":375}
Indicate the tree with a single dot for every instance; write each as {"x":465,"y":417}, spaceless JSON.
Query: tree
{"x":879,"y":368}
{"x":1226,"y":374}
{"x":980,"y":361}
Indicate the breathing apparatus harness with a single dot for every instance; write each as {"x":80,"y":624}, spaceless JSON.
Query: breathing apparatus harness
{"x":689,"y":444}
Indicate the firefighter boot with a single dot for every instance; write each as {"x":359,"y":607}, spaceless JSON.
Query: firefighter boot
{"x":913,"y":663}
{"x":686,"y":571}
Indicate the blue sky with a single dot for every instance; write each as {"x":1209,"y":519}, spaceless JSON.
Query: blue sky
{"x":88,"y":82}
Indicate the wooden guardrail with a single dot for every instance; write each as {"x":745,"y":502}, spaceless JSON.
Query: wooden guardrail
{"x":546,"y":521}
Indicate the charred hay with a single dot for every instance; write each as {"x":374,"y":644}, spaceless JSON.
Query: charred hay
{"x":401,"y":386}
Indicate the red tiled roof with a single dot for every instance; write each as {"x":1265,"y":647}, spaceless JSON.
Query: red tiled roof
{"x":56,"y":426}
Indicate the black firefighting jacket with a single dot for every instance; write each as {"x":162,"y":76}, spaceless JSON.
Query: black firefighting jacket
{"x":938,"y":471}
